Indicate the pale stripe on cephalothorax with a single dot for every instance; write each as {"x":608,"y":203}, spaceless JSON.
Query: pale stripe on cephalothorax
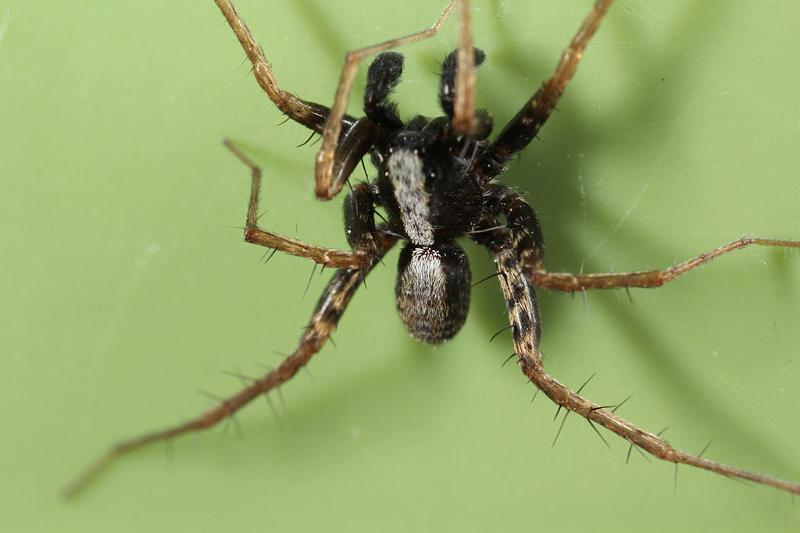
{"x":408,"y":178}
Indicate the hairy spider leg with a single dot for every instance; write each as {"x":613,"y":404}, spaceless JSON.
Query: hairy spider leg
{"x":521,"y":220}
{"x":525,"y":125}
{"x":522,"y":236}
{"x":328,"y":257}
{"x":508,"y":246}
{"x":309,"y":114}
{"x":326,"y":184}
{"x":563,"y":281}
{"x":503,"y":200}
{"x":354,"y":136}
{"x":522,"y":310}
{"x":323,"y":322}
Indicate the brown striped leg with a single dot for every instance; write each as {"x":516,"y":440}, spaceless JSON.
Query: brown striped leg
{"x":252,"y":233}
{"x":522,"y":313}
{"x":323,"y":321}
{"x":521,"y":222}
{"x":529,"y":120}
{"x":309,"y":114}
{"x":326,"y":185}
{"x":560,"y":281}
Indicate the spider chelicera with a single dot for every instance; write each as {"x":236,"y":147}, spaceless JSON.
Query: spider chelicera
{"x":436,"y":182}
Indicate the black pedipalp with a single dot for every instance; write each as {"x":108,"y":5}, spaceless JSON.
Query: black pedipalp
{"x":382,"y":77}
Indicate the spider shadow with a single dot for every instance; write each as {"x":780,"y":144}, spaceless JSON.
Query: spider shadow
{"x":551,"y":180}
{"x":339,"y":405}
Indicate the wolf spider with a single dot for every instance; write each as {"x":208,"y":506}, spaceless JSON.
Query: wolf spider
{"x":436,"y":181}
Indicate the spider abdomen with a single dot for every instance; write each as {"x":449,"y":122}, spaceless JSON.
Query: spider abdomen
{"x":432,"y":291}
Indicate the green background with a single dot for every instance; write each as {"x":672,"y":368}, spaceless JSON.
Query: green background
{"x":126,"y":286}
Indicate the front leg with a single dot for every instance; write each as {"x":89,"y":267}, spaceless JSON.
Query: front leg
{"x":309,"y":114}
{"x":522,"y":129}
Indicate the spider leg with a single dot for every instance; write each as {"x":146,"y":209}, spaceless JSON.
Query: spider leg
{"x":522,"y":312}
{"x":464,"y":106}
{"x":327,"y":186}
{"x":527,"y":236}
{"x":359,"y":217}
{"x":521,"y":220}
{"x":252,"y":233}
{"x":529,"y":120}
{"x":309,"y":114}
{"x":561,"y":281}
{"x":328,"y":311}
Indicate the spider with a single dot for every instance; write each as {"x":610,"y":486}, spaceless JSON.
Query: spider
{"x":437,"y":183}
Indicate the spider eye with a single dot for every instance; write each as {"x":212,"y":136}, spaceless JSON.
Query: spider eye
{"x":431,"y":176}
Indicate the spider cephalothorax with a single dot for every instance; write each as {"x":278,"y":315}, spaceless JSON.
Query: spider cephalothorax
{"x":435,"y":182}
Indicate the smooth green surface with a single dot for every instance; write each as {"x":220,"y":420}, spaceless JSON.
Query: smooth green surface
{"x":125,"y":285}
